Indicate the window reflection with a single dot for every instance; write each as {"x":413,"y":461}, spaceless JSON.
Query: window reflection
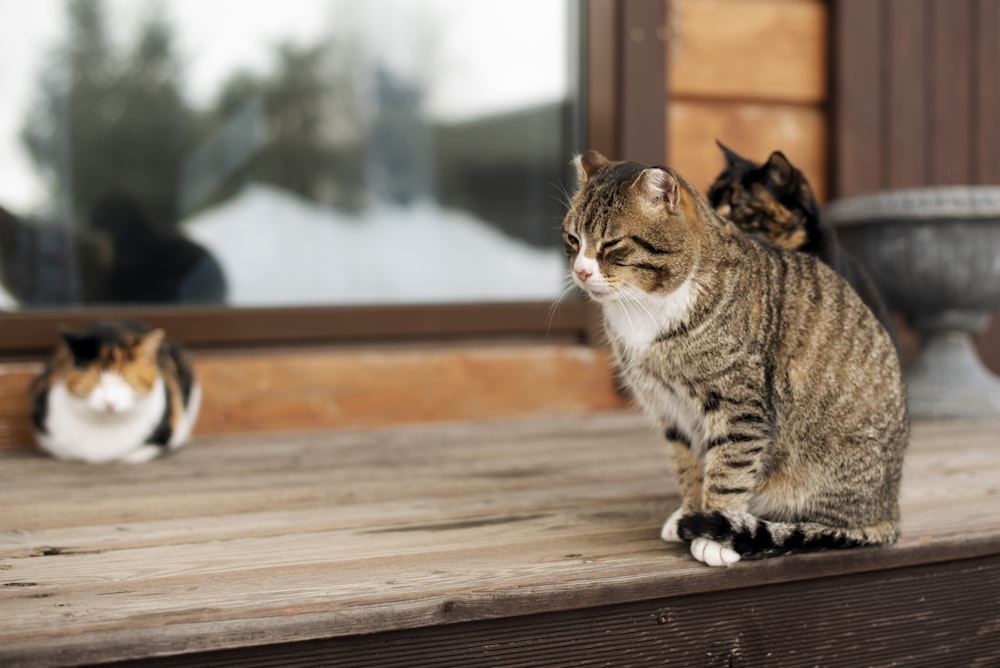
{"x":283,"y":153}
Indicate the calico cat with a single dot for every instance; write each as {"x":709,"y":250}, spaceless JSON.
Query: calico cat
{"x":775,"y":202}
{"x":778,"y":391}
{"x":114,"y":391}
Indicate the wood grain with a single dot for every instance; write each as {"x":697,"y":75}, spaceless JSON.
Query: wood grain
{"x":762,"y":50}
{"x":244,"y":541}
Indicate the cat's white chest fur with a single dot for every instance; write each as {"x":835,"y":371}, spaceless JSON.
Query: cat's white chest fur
{"x":636,"y":324}
{"x":109,"y":425}
{"x":641,"y":318}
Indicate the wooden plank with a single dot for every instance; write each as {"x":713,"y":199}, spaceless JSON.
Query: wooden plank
{"x":773,"y":50}
{"x":238,"y":542}
{"x":950,"y":73}
{"x":907,"y":163}
{"x":754,"y":130}
{"x":15,"y":411}
{"x":986,"y":135}
{"x":847,"y":621}
{"x":857,"y":98}
{"x":306,"y":389}
{"x":316,"y":391}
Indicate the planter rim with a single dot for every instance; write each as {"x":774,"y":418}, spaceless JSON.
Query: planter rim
{"x":916,"y":204}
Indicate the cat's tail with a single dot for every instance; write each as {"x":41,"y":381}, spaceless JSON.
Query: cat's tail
{"x":754,"y":538}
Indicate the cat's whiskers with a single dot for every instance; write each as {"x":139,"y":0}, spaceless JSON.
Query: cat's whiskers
{"x":636,"y":296}
{"x":620,"y":294}
{"x":565,"y":198}
{"x":567,"y":289}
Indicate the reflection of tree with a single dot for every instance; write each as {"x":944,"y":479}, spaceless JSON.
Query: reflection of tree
{"x":297,"y":154}
{"x":115,"y":121}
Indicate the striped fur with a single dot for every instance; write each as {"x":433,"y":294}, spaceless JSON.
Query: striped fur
{"x":779,"y":392}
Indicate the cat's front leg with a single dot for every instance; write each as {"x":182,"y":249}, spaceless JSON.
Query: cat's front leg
{"x":733,"y":466}
{"x":688,"y":471}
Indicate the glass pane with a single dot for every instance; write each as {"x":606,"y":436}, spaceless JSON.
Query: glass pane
{"x":284,"y":152}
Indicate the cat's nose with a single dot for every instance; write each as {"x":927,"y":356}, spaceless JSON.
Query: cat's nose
{"x":583,"y":274}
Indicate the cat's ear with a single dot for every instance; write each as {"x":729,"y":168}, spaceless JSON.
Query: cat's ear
{"x":588,"y":163}
{"x":149,"y":344}
{"x":83,"y":348}
{"x":68,"y":337}
{"x":658,"y":188}
{"x":778,"y":170}
{"x":732,"y":157}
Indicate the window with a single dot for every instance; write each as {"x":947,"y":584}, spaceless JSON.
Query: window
{"x":300,"y":170}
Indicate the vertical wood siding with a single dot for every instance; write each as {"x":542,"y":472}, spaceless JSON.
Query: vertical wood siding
{"x":916,"y":94}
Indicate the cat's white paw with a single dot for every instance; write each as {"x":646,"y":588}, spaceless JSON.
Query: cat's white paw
{"x":143,"y":453}
{"x":669,"y":533}
{"x":713,"y":554}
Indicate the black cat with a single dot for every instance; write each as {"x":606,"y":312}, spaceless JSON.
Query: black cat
{"x":775,"y":202}
{"x":120,"y":257}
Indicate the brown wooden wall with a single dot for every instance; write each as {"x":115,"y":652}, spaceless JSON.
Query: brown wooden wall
{"x":917,"y":94}
{"x":916,"y":100}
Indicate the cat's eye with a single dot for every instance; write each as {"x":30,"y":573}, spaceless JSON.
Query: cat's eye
{"x":610,"y":245}
{"x":572,"y":240}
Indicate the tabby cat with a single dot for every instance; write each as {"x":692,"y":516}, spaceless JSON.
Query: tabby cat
{"x":775,"y":202}
{"x":777,"y":389}
{"x":114,"y":391}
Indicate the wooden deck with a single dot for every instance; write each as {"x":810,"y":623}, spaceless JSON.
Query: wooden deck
{"x":505,"y":543}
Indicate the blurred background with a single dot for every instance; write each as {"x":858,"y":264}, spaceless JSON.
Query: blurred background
{"x":328,"y":154}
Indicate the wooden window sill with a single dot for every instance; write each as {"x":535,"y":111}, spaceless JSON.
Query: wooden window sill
{"x":312,"y":388}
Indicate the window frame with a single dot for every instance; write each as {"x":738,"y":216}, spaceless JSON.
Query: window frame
{"x":611,"y":101}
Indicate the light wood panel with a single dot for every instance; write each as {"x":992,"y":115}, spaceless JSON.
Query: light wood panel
{"x":751,"y":129}
{"x":240,"y":541}
{"x":308,"y":388}
{"x":759,"y":50}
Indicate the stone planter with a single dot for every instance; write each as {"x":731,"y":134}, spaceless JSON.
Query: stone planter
{"x":934,"y":254}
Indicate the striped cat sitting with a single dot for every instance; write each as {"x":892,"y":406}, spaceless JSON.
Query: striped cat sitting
{"x":777,"y":389}
{"x":114,"y":391}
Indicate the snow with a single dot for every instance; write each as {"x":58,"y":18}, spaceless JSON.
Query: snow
{"x":7,"y":303}
{"x":277,"y":249}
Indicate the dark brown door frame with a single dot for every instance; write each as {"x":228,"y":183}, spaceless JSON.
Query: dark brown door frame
{"x":627,"y":79}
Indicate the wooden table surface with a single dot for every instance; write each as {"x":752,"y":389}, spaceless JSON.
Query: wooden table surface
{"x":245,"y":541}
